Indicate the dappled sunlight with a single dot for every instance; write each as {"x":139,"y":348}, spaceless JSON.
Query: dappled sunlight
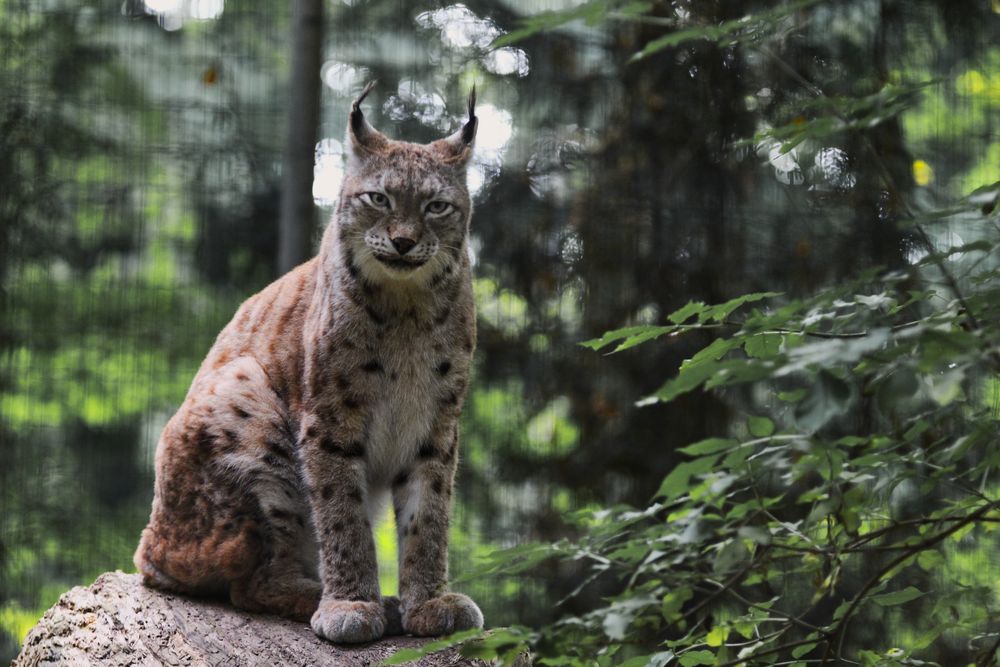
{"x":461,"y":29}
{"x":343,"y":78}
{"x":172,"y":14}
{"x":328,"y":172}
{"x":784,"y":162}
{"x":413,"y":100}
{"x":506,"y":61}
{"x":833,"y":169}
{"x":496,"y":128}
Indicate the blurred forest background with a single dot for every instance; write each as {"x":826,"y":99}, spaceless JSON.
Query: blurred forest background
{"x":142,"y":148}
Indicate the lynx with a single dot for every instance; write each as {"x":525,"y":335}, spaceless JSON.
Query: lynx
{"x":334,"y":388}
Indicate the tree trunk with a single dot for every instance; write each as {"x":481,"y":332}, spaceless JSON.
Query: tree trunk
{"x":118,"y":621}
{"x":297,"y":210}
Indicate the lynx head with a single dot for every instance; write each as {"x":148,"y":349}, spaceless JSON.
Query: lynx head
{"x":404,"y":208}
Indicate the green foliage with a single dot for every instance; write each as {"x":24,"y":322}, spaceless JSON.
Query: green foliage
{"x":410,"y":654}
{"x":824,"y":117}
{"x":748,"y":29}
{"x":592,"y":13}
{"x":779,"y":541}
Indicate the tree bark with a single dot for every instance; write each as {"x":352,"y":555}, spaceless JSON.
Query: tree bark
{"x":117,"y":621}
{"x":298,"y":213}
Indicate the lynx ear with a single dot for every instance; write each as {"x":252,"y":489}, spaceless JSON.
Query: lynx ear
{"x":457,"y":149}
{"x":361,"y":136}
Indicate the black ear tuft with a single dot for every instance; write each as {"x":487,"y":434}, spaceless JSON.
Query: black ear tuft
{"x":469,"y":129}
{"x":363,"y":138}
{"x":357,"y":117}
{"x":456,"y":148}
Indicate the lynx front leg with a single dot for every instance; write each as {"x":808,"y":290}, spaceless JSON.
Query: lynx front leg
{"x":350,"y":610}
{"x":422,"y":502}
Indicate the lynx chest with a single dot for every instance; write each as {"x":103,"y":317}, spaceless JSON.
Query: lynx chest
{"x":405,"y":398}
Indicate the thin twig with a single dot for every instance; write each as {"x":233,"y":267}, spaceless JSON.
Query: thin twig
{"x":771,"y":610}
{"x":799,"y":332}
{"x":729,"y":584}
{"x":989,"y":658}
{"x":840,"y":631}
{"x":777,"y":649}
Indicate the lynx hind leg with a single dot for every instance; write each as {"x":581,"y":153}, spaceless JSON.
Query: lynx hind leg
{"x":273,"y":591}
{"x":203,"y":531}
{"x":152,"y":575}
{"x":229,"y":514}
{"x":180,"y":558}
{"x":284,"y":581}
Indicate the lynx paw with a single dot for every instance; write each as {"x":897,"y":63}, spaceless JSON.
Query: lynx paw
{"x":443,"y":615}
{"x":347,"y":622}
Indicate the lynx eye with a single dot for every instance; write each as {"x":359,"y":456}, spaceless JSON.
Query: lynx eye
{"x":438,"y":207}
{"x":376,"y":199}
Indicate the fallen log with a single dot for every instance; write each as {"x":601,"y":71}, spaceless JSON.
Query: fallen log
{"x":117,"y":621}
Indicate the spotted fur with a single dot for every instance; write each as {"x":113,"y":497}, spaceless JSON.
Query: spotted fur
{"x":335,"y":389}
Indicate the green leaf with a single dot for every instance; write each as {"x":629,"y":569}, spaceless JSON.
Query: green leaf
{"x":695,"y":658}
{"x":899,"y":597}
{"x":841,"y":609}
{"x":591,"y":12}
{"x":835,"y":352}
{"x":721,"y":311}
{"x":651,"y":333}
{"x":763,"y":345}
{"x":685,"y":381}
{"x":929,"y":636}
{"x":753,"y":28}
{"x":713,"y":352}
{"x":851,"y":441}
{"x":410,"y":654}
{"x":760,"y":427}
{"x":930,"y":560}
{"x":708,"y":446}
{"x":620,"y":615}
{"x":622,"y":334}
{"x":502,"y":642}
{"x":686,"y":312}
{"x":652,"y":660}
{"x":800,"y":651}
{"x":638,"y":661}
{"x":674,"y":601}
{"x":677,"y":483}
{"x":793,"y":396}
{"x":716,"y":637}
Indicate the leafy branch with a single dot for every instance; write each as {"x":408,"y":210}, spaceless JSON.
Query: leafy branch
{"x":714,"y":569}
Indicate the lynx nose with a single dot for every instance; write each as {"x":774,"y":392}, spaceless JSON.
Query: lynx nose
{"x":403,"y":245}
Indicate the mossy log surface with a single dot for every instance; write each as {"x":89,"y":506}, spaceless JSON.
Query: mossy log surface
{"x":118,"y":621}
